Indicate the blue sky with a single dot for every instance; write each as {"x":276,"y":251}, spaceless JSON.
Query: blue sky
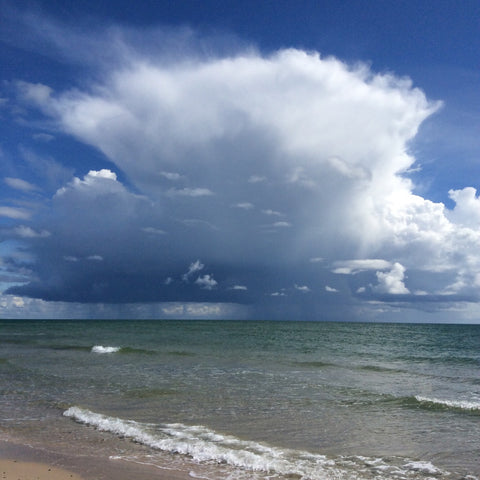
{"x":290,"y":160}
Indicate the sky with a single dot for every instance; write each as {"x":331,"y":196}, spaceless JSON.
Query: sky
{"x":310,"y":160}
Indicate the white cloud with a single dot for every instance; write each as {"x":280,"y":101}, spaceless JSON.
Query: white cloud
{"x":467,"y":207}
{"x":239,"y":287}
{"x":392,"y":282}
{"x":15,"y":212}
{"x":330,"y":289}
{"x":244,"y":205}
{"x":93,"y":183}
{"x":193,"y":268}
{"x":302,"y":288}
{"x":331,"y":138}
{"x":272,"y":213}
{"x":20,"y":184}
{"x":95,"y":258}
{"x":207,"y":282}
{"x":34,"y":92}
{"x":190,"y":192}
{"x":171,"y":176}
{"x":13,"y":306}
{"x":28,"y":232}
{"x":9,"y":302}
{"x":349,"y":267}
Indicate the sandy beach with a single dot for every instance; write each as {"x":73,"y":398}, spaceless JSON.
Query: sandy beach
{"x":24,"y":462}
{"x":20,"y":470}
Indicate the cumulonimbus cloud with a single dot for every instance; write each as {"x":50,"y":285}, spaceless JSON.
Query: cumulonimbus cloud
{"x":318,"y":143}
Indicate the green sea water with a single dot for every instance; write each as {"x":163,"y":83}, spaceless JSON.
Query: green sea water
{"x":306,"y":400}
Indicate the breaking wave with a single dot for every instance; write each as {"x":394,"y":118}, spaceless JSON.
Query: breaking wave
{"x":206,"y":446}
{"x":102,"y":349}
{"x":458,"y":405}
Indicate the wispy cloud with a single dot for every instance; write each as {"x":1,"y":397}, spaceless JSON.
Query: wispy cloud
{"x":20,"y":184}
{"x":15,"y":213}
{"x":193,"y":268}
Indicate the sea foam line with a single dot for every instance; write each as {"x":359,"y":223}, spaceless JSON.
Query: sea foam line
{"x":102,"y":349}
{"x":207,"y":446}
{"x":453,"y":404}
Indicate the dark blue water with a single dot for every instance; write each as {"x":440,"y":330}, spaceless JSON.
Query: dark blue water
{"x":250,"y":399}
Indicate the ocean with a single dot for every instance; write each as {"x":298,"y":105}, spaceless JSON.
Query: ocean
{"x":249,"y":400}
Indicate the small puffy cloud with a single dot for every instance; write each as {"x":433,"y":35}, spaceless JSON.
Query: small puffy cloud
{"x":392,"y":282}
{"x":36,"y":93}
{"x":244,"y":205}
{"x":302,"y":288}
{"x":190,"y":192}
{"x":193,"y":268}
{"x":330,"y":289}
{"x":173,"y":176}
{"x":207,"y":282}
{"x":467,"y":207}
{"x":239,"y":287}
{"x":95,"y":258}
{"x":272,"y":213}
{"x":8,"y":302}
{"x":94,"y":183}
{"x":20,"y":184}
{"x":282,"y":225}
{"x":28,"y":232}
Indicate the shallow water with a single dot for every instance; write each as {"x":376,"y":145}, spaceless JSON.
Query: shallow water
{"x":250,"y":399}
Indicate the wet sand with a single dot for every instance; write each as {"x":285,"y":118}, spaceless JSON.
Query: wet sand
{"x":21,"y":470}
{"x":23,"y":462}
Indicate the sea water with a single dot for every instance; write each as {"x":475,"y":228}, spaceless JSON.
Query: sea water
{"x":249,"y":400}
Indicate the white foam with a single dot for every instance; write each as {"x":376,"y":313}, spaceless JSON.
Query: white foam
{"x":424,"y":467}
{"x":102,"y":349}
{"x":204,"y":445}
{"x":459,"y":404}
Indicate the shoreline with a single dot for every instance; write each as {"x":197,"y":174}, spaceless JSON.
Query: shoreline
{"x":25,"y":462}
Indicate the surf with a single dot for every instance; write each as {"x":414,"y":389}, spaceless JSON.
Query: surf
{"x":206,"y":446}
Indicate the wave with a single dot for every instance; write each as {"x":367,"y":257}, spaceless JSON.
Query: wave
{"x":122,"y":350}
{"x":206,"y":446}
{"x":458,"y":405}
{"x":102,"y":349}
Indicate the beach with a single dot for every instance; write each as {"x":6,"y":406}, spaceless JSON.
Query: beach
{"x":241,"y":400}
{"x":25,"y":462}
{"x":13,"y":469}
